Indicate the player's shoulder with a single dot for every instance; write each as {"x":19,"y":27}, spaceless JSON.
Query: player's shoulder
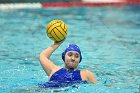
{"x":85,"y":71}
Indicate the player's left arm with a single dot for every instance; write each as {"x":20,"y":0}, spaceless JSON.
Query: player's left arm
{"x":91,"y":77}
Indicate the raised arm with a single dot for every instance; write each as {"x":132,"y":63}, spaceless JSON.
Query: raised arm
{"x":48,"y":65}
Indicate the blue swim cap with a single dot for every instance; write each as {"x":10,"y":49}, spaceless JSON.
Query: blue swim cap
{"x":72,"y":47}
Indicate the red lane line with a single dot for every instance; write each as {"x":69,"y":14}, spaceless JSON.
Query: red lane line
{"x":69,"y":4}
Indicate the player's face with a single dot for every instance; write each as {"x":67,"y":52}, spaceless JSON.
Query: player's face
{"x":72,"y":59}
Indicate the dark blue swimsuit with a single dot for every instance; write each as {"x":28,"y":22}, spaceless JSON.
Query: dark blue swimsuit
{"x":63,"y":78}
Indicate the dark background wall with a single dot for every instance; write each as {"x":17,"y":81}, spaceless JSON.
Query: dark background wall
{"x":35,"y":1}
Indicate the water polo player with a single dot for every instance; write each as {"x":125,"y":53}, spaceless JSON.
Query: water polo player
{"x":68,"y":75}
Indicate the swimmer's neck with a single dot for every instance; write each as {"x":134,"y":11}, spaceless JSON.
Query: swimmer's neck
{"x":71,"y":68}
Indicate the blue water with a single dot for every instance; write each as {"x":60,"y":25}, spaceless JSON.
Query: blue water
{"x":109,"y":38}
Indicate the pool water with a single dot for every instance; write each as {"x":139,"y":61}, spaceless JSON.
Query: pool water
{"x":109,"y":38}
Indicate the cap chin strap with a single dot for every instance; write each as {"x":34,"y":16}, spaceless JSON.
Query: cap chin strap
{"x":71,"y":69}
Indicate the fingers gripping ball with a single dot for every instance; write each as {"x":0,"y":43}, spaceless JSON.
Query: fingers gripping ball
{"x":57,"y":30}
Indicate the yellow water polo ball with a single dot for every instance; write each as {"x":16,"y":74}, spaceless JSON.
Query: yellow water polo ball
{"x":56,"y":30}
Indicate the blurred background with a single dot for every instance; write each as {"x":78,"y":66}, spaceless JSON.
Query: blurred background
{"x":33,"y":1}
{"x":107,"y":31}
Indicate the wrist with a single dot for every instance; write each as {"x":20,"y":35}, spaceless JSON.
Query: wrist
{"x":58,"y":43}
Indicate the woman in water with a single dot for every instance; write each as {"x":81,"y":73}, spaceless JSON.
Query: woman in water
{"x":61,"y":77}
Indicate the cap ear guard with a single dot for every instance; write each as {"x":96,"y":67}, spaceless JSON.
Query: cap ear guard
{"x":80,"y":58}
{"x":63,"y":56}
